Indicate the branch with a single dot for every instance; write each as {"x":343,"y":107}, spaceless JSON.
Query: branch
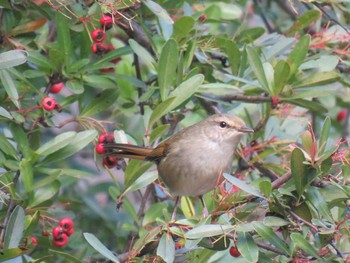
{"x":240,"y":97}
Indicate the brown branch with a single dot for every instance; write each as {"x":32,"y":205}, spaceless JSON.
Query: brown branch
{"x":240,"y":97}
{"x":295,"y":216}
{"x":269,"y":248}
{"x":284,"y":178}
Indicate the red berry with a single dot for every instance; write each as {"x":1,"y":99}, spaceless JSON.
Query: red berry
{"x":109,"y":162}
{"x":102,"y":138}
{"x":98,"y":35}
{"x":57,"y":232}
{"x":341,"y":115}
{"x":61,"y":241}
{"x":202,"y":18}
{"x":34,"y":241}
{"x":69,"y":232}
{"x":67,"y":224}
{"x":106,"y":138}
{"x":56,"y":88}
{"x":48,"y":103}
{"x":116,"y":60}
{"x":234,"y":252}
{"x":100,"y":48}
{"x":106,"y":22}
{"x":100,"y":148}
{"x":107,"y":70}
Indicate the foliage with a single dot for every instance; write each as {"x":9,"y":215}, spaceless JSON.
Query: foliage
{"x":166,"y":65}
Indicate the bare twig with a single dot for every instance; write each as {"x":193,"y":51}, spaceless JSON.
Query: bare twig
{"x":240,"y":97}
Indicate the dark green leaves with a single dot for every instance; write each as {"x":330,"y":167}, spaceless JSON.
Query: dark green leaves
{"x":298,"y":169}
{"x":167,"y":67}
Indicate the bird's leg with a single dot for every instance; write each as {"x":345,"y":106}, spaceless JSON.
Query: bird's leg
{"x":205,"y":209}
{"x":173,"y":217}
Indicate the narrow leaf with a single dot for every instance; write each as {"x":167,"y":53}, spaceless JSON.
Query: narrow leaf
{"x":142,"y":181}
{"x":298,"y":169}
{"x":257,"y":66}
{"x":209,"y":231}
{"x":324,"y":135}
{"x":247,"y":247}
{"x":315,"y":198}
{"x":242,"y":185}
{"x":44,"y":194}
{"x":298,"y":55}
{"x":166,"y":248}
{"x":304,"y":21}
{"x":56,"y":143}
{"x":13,"y":58}
{"x":99,"y":247}
{"x":9,"y":86}
{"x":63,"y":36}
{"x":15,"y":227}
{"x":304,"y":245}
{"x":143,"y":54}
{"x":268,"y":234}
{"x":159,"y":11}
{"x":101,"y":102}
{"x":167,"y":67}
{"x":27,"y":177}
{"x":183,"y":27}
{"x":280,"y":76}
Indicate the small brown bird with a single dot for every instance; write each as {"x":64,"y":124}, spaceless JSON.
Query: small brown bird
{"x":192,"y":161}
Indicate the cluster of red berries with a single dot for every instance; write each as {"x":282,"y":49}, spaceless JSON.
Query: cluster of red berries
{"x":98,"y":36}
{"x":107,"y":161}
{"x":61,"y":232}
{"x":49,"y":103}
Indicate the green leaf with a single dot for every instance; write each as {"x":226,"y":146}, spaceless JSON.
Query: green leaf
{"x":280,"y":76}
{"x":143,"y":54}
{"x":70,"y":258}
{"x":298,"y":55}
{"x":20,"y":137}
{"x":63,"y":36}
{"x":178,"y":96}
{"x":298,"y":170}
{"x":167,"y":67}
{"x":265,"y":187}
{"x":304,"y":20}
{"x":11,"y":253}
{"x":161,"y":109}
{"x":183,"y":27}
{"x":4,"y":113}
{"x":242,"y":185}
{"x":26,"y":172}
{"x":274,"y":221}
{"x":44,"y":194}
{"x":41,"y":61}
{"x":268,"y":234}
{"x":14,"y":228}
{"x":209,"y":231}
{"x":9,"y":86}
{"x":7,"y":148}
{"x":57,"y":143}
{"x":185,"y":90}
{"x":247,"y":247}
{"x":75,"y":86}
{"x":80,"y":140}
{"x":166,"y":248}
{"x":315,"y":199}
{"x":159,"y":11}
{"x":257,"y":67}
{"x":317,"y":79}
{"x":101,"y":102}
{"x":324,"y":135}
{"x":99,"y":247}
{"x":13,"y":58}
{"x":308,"y":104}
{"x":304,"y":245}
{"x":142,"y":181}
{"x":233,"y":56}
{"x":100,"y":82}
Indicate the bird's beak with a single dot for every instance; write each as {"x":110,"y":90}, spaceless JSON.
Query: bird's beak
{"x":245,"y":129}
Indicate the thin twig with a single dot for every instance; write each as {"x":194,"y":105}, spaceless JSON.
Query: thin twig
{"x":240,"y":97}
{"x":313,"y":228}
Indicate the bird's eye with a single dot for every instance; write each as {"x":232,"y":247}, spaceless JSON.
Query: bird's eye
{"x":223,"y":124}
